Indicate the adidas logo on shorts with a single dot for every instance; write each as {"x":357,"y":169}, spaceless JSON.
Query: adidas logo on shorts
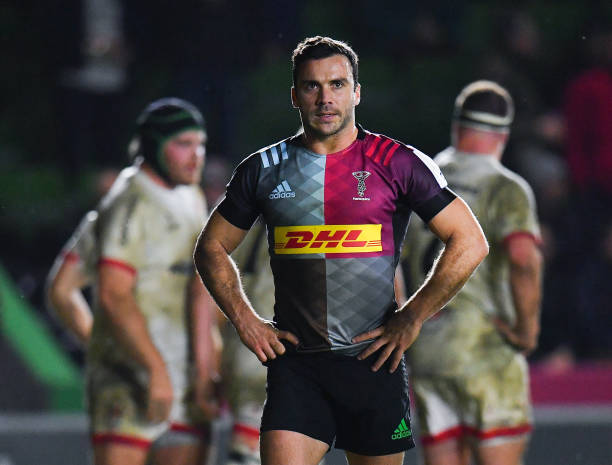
{"x":282,"y":191}
{"x":402,"y":431}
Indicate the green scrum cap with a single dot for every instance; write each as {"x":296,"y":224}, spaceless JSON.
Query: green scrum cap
{"x":159,"y":122}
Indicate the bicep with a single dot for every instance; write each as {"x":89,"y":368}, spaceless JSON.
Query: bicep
{"x":455,"y":218}
{"x":70,"y":276}
{"x":220,"y":231}
{"x":523,"y":251}
{"x":63,"y":280}
{"x":115,"y":282}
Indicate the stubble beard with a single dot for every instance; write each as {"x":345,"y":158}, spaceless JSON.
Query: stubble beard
{"x":180,"y":178}
{"x":319,"y":134}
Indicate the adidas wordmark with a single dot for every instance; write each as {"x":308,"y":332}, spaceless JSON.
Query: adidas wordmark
{"x":282,"y":191}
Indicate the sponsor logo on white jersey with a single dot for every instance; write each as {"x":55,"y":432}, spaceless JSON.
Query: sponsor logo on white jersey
{"x":282,"y":191}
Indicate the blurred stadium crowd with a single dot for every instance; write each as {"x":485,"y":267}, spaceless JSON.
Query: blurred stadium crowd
{"x":80,"y":72}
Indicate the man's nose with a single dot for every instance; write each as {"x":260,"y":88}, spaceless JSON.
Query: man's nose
{"x":324,"y":96}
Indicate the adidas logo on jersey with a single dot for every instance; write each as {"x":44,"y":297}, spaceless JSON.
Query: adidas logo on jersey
{"x":282,"y":191}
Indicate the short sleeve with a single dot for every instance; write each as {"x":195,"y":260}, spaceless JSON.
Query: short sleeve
{"x":84,"y":244}
{"x":512,"y":211}
{"x":80,"y":248}
{"x":424,"y":186}
{"x":121,"y":233}
{"x":239,"y":206}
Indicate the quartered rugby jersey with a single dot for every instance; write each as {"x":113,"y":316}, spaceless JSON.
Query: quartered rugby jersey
{"x":335,"y":225}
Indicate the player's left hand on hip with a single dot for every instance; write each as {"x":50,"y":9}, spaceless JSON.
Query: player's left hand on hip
{"x":392,"y":339}
{"x":523,"y":338}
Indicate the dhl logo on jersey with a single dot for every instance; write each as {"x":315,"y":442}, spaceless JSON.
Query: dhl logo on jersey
{"x":327,"y":238}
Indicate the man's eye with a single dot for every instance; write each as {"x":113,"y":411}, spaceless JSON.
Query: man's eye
{"x":311,"y":85}
{"x":337,"y":84}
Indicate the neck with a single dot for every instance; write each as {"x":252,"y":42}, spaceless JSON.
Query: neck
{"x":326,"y":144}
{"x":155,"y":177}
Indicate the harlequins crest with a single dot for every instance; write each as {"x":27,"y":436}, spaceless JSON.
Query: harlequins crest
{"x":361,"y":177}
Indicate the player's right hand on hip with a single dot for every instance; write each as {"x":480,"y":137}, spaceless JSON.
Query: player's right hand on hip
{"x":160,"y":395}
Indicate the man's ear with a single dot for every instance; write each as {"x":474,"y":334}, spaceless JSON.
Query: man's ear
{"x":357,"y":94}
{"x":293,"y":97}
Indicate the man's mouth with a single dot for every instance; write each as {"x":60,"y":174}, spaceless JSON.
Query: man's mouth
{"x":326,"y":116}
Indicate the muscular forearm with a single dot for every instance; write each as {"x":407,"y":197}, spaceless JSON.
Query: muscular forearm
{"x":525,"y":262}
{"x":130,"y":329}
{"x":220,"y":275}
{"x":525,"y":283}
{"x":221,"y":278}
{"x":455,"y":265}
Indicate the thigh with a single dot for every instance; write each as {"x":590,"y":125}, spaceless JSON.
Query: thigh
{"x":244,"y":441}
{"x":498,"y":403}
{"x":392,"y":459}
{"x":454,"y":451}
{"x":371,"y":409}
{"x":439,"y":411}
{"x":289,"y":447}
{"x":119,"y":454}
{"x":505,"y":453}
{"x":179,"y":454}
{"x":296,"y":400}
{"x":117,"y":410}
{"x":188,"y":436}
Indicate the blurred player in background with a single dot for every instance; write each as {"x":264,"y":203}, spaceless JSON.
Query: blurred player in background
{"x":468,"y":367}
{"x":151,"y":362}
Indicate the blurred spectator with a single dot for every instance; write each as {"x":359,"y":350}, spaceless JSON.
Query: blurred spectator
{"x":202,"y":52}
{"x":518,"y":61}
{"x":594,"y":317}
{"x":92,"y":92}
{"x":427,"y":29}
{"x":558,"y":292}
{"x":588,"y":100}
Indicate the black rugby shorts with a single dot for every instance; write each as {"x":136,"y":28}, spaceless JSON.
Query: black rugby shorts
{"x":335,"y":397}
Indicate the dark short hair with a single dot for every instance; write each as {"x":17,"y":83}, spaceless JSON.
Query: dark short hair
{"x":315,"y":48}
{"x":484,"y":103}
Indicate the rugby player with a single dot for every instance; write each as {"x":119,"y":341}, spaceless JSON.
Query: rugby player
{"x":150,"y":365}
{"x":468,"y":368}
{"x":336,"y":200}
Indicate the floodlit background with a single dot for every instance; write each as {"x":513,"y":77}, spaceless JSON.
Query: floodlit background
{"x":76,"y":73}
